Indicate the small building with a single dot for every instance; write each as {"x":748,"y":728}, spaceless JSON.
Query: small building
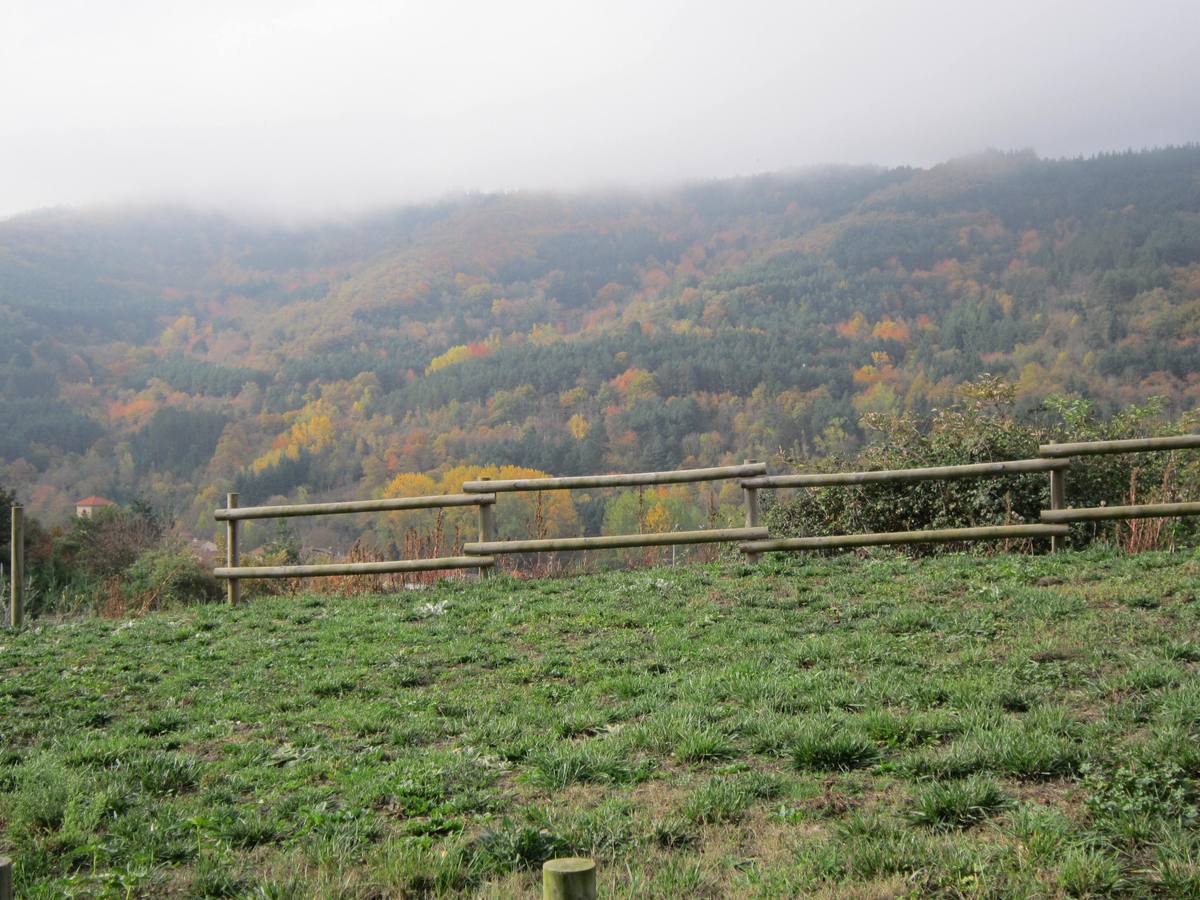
{"x":88,"y":505}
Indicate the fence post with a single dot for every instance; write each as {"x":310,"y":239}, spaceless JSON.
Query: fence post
{"x":751,"y":496}
{"x":487,"y":528}
{"x":1058,"y":490}
{"x":233,"y":587}
{"x":16,"y":569}
{"x":570,"y":878}
{"x":6,"y":885}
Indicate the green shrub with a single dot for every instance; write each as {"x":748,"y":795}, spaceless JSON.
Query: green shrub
{"x":110,"y":541}
{"x":984,"y":427}
{"x":1158,"y":789}
{"x":166,"y":576}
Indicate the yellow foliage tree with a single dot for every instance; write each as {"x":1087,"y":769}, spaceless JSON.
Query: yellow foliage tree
{"x":888,"y":329}
{"x":634,"y":383}
{"x":544,"y":334}
{"x":855,"y":327}
{"x":578,"y":426}
{"x":312,"y":431}
{"x":178,"y":334}
{"x":456,"y":354}
{"x":523,"y":514}
{"x":421,"y":521}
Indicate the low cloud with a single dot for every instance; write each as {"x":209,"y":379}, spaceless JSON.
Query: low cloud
{"x":326,"y":108}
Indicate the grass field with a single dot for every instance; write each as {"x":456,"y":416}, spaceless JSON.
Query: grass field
{"x":978,"y":726}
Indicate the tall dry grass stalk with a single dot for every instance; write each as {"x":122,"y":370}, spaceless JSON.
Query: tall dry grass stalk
{"x":1141,"y":535}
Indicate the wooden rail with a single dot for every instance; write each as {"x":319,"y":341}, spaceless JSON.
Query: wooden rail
{"x":363,"y":568}
{"x":390,"y":504}
{"x":1135,"y":445}
{"x":941,"y":535}
{"x":1140,"y":511}
{"x":617,"y":541}
{"x":1053,"y":458}
{"x":931,"y":473}
{"x":638,"y":479}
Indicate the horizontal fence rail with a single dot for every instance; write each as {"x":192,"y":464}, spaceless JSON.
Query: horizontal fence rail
{"x":931,"y":473}
{"x":363,"y":568}
{"x":941,"y":535}
{"x":639,"y":479}
{"x":1135,"y":445}
{"x":1141,"y":511}
{"x":617,"y":541}
{"x":392,"y":504}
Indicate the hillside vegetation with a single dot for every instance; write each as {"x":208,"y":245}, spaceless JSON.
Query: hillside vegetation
{"x":174,"y":355}
{"x":1012,"y":726}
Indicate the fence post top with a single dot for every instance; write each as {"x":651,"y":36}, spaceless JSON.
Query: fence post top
{"x":569,"y":864}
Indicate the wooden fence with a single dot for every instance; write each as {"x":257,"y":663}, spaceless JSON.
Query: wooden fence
{"x":753,"y":539}
{"x":616,"y":541}
{"x":232,"y":514}
{"x":1057,"y":514}
{"x":934,"y":473}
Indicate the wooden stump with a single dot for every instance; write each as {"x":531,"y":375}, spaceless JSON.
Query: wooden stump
{"x":570,"y":878}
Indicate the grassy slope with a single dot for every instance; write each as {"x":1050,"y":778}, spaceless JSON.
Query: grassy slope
{"x":1004,"y":726}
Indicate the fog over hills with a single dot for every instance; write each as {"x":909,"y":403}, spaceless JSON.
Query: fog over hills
{"x":307,"y":109}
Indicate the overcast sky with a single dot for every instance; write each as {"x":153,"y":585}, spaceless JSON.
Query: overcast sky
{"x":313,"y":107}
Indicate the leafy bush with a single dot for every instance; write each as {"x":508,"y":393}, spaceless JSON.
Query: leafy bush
{"x":1151,"y":789}
{"x":167,"y":575}
{"x":982,"y":427}
{"x":282,"y":550}
{"x":108,"y":542}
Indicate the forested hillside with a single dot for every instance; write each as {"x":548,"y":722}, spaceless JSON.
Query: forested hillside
{"x":173,"y":355}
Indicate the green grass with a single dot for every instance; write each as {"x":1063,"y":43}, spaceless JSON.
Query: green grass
{"x":957,"y":804}
{"x":836,"y":727}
